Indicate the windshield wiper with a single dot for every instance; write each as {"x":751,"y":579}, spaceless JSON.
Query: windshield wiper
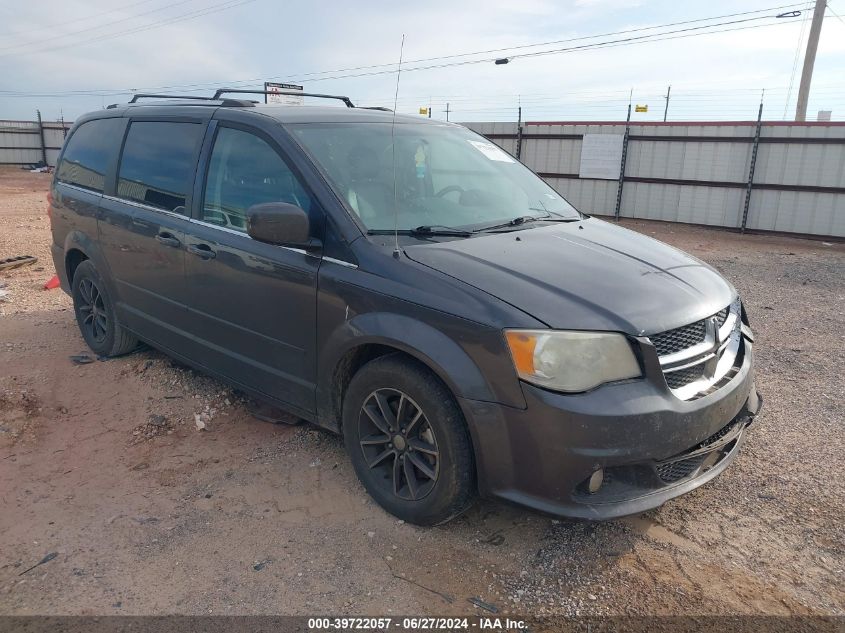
{"x":524,"y":219}
{"x":424,"y":230}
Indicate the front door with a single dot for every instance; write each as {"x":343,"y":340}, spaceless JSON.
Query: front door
{"x":252,"y":305}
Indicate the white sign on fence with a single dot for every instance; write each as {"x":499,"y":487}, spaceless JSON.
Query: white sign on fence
{"x":601,"y":156}
{"x":283,"y":99}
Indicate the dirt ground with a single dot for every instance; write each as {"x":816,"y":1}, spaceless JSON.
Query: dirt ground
{"x":102,"y":465}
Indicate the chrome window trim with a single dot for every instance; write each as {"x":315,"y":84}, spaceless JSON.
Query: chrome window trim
{"x":92,"y":192}
{"x":339,"y":261}
{"x":246,"y":235}
{"x":146,"y":207}
{"x":225,"y":229}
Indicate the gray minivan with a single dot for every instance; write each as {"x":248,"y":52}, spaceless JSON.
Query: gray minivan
{"x":410,"y":285}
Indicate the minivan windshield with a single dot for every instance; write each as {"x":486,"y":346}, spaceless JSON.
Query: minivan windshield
{"x":447,"y":177}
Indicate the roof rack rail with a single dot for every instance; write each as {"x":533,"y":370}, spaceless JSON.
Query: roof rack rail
{"x":144,"y":95}
{"x":296,"y":93}
{"x":223,"y":102}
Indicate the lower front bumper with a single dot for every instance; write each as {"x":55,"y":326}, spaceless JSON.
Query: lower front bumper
{"x":650,"y":445}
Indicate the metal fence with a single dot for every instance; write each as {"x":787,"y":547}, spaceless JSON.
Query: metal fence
{"x":767,"y":176}
{"x":31,"y":142}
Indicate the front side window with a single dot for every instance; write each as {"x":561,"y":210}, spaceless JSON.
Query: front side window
{"x":88,"y":153}
{"x":158,"y":161}
{"x":445,"y":176}
{"x":245,"y":170}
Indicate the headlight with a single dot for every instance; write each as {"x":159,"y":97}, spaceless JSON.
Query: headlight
{"x":571,"y":361}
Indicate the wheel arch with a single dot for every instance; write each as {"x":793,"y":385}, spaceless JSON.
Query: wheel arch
{"x":372,"y":335}
{"x":79,"y":247}
{"x":73,"y":258}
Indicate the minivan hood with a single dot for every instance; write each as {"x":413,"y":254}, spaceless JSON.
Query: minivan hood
{"x":590,"y":275}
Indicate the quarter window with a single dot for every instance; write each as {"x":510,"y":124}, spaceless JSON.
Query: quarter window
{"x":157,"y":166}
{"x":90,"y":150}
{"x":245,"y":170}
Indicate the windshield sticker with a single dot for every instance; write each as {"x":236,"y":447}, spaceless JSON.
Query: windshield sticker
{"x":491,"y":151}
{"x":419,"y":161}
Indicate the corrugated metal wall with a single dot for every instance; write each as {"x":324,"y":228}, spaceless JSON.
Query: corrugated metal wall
{"x":698,"y":172}
{"x":20,"y":142}
{"x":679,"y":172}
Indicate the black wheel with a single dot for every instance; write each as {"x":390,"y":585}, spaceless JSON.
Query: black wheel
{"x":95,"y":314}
{"x":408,"y":441}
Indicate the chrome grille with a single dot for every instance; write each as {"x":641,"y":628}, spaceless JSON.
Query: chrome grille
{"x":683,"y":377}
{"x":695,"y":357}
{"x":678,"y":339}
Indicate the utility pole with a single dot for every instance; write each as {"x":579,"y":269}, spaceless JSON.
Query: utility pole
{"x":447,"y":110}
{"x":666,"y":109}
{"x":810,"y":60}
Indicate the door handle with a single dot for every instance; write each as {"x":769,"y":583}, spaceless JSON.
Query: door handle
{"x":168,"y":240}
{"x":202,"y":250}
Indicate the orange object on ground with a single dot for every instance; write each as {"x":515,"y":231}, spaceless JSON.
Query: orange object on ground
{"x":53,"y":283}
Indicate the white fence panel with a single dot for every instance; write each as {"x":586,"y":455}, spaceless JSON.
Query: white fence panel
{"x":698,"y":172}
{"x":21,"y":142}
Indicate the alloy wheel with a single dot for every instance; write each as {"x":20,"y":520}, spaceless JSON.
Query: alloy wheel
{"x":399,"y":444}
{"x":92,"y":310}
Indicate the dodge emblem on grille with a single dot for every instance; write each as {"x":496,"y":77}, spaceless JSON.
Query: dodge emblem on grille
{"x":712,"y":325}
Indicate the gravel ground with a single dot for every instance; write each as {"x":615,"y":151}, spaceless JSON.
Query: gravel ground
{"x":103,"y":464}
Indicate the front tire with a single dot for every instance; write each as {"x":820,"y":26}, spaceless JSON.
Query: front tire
{"x":95,"y":314}
{"x":408,"y":442}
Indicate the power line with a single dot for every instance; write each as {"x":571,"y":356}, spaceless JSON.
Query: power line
{"x":838,"y":17}
{"x":680,"y":33}
{"x":215,"y":8}
{"x":75,"y":20}
{"x":655,"y":37}
{"x":548,"y":43}
{"x":100,"y":26}
{"x":314,"y":76}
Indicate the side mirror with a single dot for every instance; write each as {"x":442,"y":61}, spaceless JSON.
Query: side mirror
{"x":279,"y":223}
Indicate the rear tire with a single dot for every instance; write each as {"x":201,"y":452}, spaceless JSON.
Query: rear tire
{"x":417,"y":465}
{"x":95,"y":314}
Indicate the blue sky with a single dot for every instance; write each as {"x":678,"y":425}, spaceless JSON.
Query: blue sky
{"x":54,"y":54}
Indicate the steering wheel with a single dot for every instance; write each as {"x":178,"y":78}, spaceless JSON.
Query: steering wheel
{"x":449,"y":189}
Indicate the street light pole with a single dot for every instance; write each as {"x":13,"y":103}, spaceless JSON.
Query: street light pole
{"x":810,"y":60}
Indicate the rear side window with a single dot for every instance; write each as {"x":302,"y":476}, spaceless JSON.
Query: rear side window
{"x":244,"y":170}
{"x":157,"y":165}
{"x":88,"y":154}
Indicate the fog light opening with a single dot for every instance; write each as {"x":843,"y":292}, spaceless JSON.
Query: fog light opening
{"x":596,"y":480}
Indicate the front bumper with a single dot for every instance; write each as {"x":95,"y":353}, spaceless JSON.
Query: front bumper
{"x":651,"y":445}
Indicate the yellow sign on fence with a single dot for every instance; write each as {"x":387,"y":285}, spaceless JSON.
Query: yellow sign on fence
{"x":423,"y":110}
{"x":641,"y":108}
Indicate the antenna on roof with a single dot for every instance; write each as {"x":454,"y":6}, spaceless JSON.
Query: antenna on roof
{"x":396,"y":251}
